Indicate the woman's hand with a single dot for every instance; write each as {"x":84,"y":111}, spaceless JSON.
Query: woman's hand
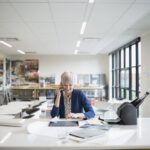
{"x":76,"y":115}
{"x":58,"y":90}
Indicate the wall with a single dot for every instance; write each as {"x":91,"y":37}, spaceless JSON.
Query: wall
{"x":75,"y":63}
{"x":145,"y":73}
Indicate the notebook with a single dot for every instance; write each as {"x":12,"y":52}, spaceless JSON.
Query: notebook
{"x":87,"y":133}
{"x":63,"y":123}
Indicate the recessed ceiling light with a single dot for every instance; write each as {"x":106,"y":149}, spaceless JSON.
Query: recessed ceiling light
{"x":6,"y":44}
{"x":83,"y":28}
{"x":20,"y":51}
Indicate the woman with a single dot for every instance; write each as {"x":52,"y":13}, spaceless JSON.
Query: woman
{"x":70,"y":103}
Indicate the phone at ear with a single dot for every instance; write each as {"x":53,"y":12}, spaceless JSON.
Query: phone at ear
{"x":61,"y":87}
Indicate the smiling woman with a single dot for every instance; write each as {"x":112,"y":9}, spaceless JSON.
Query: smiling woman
{"x":71,"y":103}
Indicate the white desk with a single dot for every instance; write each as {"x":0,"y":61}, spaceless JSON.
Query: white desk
{"x":118,"y":137}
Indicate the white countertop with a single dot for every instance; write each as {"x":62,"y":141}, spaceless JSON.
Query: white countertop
{"x":118,"y":137}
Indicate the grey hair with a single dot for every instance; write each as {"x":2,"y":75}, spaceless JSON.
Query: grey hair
{"x":67,"y":78}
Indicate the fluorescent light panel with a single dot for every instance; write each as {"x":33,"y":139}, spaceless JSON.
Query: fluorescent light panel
{"x":76,"y":52}
{"x":83,"y":28}
{"x":6,"y":44}
{"x":20,"y":51}
{"x":78,"y":44}
{"x":91,"y":1}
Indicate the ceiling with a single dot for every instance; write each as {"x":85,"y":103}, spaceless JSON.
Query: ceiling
{"x":52,"y":27}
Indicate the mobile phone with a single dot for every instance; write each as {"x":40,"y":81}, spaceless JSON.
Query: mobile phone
{"x":61,"y":87}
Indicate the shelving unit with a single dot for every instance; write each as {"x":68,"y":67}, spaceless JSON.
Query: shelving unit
{"x":33,"y":92}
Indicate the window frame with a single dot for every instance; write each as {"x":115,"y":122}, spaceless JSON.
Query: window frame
{"x":118,"y":91}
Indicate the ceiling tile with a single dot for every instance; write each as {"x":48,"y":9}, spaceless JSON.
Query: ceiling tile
{"x":104,"y":16}
{"x":8,"y":14}
{"x":68,"y":12}
{"x":43,"y":30}
{"x":16,"y":29}
{"x":28,"y":1}
{"x":33,"y":12}
{"x":70,"y":1}
{"x":67,"y":31}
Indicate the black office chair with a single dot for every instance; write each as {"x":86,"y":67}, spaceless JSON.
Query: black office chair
{"x":2,"y":97}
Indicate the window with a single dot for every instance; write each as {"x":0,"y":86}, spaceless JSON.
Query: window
{"x":125,"y":71}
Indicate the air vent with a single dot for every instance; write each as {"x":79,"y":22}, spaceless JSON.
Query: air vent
{"x":83,"y":53}
{"x":30,"y":52}
{"x":91,"y":39}
{"x":9,"y":39}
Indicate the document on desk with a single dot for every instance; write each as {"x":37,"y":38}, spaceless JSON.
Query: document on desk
{"x":41,"y":128}
{"x":86,"y":134}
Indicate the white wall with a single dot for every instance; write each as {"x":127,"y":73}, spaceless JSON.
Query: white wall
{"x":75,"y":63}
{"x":145,"y":74}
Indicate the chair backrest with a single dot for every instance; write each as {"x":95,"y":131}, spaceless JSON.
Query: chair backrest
{"x":2,"y":97}
{"x":8,"y":95}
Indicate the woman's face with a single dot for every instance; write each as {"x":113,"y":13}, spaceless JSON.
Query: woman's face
{"x":68,"y":88}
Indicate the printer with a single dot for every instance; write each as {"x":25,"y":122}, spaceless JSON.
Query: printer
{"x":127,"y":112}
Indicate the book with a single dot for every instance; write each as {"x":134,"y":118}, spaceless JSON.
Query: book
{"x":86,"y":133}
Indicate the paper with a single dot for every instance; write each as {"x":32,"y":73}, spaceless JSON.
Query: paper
{"x":86,"y":134}
{"x":12,"y":122}
{"x":42,"y":128}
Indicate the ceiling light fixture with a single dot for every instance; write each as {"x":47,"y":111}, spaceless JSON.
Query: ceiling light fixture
{"x":78,"y":44}
{"x":91,"y":1}
{"x":76,"y":52}
{"x":83,"y":28}
{"x":20,"y":51}
{"x":6,"y":44}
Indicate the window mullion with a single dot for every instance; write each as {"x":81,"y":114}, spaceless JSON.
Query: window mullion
{"x":137,"y":71}
{"x":130,"y":73}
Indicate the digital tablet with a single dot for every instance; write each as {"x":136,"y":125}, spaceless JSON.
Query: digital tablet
{"x":63,"y":123}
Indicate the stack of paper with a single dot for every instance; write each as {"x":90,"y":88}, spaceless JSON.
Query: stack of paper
{"x":12,"y":122}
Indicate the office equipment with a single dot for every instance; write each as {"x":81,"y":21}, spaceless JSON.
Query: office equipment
{"x":31,"y":110}
{"x":63,"y":123}
{"x":127,"y":112}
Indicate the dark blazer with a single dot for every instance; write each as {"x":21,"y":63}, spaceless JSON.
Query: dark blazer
{"x":79,"y":102}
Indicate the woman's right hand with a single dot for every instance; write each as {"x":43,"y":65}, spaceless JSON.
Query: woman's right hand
{"x":58,"y":90}
{"x":58,"y":94}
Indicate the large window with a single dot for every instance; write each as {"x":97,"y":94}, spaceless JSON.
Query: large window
{"x":125,"y":71}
